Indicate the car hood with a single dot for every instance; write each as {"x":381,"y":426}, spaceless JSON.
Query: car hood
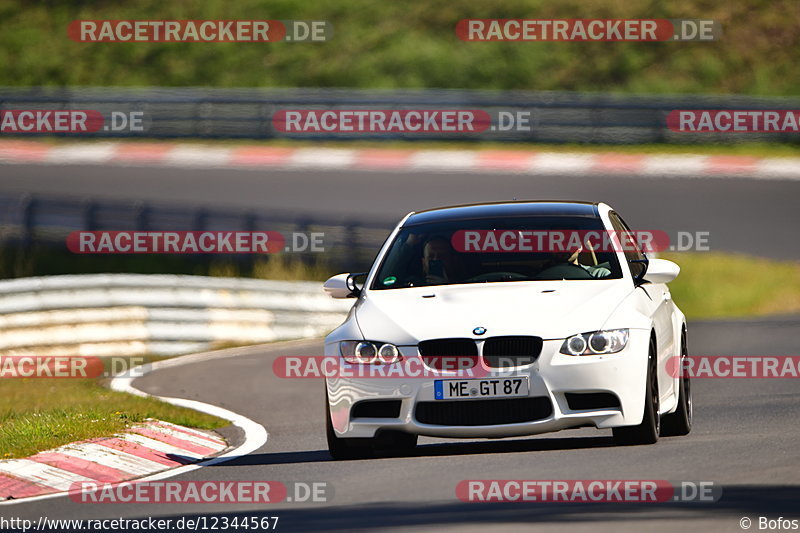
{"x":548,"y":309}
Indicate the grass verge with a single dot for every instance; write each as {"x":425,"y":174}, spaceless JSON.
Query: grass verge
{"x":725,"y":285}
{"x":38,"y":414}
{"x":410,"y":45}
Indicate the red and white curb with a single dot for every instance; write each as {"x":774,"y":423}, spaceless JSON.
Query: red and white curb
{"x":147,"y":448}
{"x":473,"y":161}
{"x":148,"y":452}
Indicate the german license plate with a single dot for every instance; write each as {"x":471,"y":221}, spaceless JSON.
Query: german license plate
{"x":455,"y":389}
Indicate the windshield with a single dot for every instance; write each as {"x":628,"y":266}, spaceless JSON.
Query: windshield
{"x":497,"y":249}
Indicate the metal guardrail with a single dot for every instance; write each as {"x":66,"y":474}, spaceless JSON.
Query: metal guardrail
{"x":349,"y":244}
{"x":557,"y":117}
{"x":129,"y":314}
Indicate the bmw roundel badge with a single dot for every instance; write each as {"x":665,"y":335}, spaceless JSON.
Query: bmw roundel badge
{"x":479,"y":330}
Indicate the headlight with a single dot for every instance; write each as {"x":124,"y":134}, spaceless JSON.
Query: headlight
{"x":388,"y":353}
{"x":596,"y":342}
{"x":369,"y":352}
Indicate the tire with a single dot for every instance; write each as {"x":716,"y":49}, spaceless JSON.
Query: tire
{"x":396,"y":442}
{"x":646,"y":432}
{"x":679,"y":423}
{"x":342,"y":449}
{"x":387,"y":442}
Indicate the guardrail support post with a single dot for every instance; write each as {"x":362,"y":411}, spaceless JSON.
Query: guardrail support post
{"x":28,"y":211}
{"x":90,"y":216}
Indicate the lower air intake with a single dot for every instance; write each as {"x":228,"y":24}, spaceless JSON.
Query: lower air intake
{"x":483,"y":412}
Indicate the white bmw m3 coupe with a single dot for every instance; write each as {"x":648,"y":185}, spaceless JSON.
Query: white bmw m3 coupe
{"x":507,"y":319}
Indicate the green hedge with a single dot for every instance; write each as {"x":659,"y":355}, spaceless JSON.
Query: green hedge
{"x":383,"y":44}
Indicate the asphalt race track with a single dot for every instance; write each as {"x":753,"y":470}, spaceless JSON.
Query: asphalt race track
{"x":744,"y":438}
{"x":753,"y":216}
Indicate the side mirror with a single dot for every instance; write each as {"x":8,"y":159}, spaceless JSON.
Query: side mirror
{"x":343,"y":286}
{"x":336,"y":287}
{"x":661,"y":271}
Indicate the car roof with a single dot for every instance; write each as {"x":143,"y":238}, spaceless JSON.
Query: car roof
{"x":503,"y":209}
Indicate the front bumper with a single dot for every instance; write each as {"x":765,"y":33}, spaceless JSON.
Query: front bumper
{"x":551,"y":377}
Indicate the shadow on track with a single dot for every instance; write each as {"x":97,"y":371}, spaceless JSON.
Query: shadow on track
{"x":434,"y":450}
{"x":736,"y":501}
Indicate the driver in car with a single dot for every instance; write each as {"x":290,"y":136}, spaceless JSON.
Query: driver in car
{"x":439,"y":262}
{"x":561,"y":265}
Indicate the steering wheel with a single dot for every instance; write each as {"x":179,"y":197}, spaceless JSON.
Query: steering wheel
{"x":498,"y":276}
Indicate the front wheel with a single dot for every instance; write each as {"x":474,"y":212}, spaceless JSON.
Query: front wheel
{"x":391,"y":442}
{"x":680,"y":422}
{"x":646,"y":432}
{"x":342,"y":448}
